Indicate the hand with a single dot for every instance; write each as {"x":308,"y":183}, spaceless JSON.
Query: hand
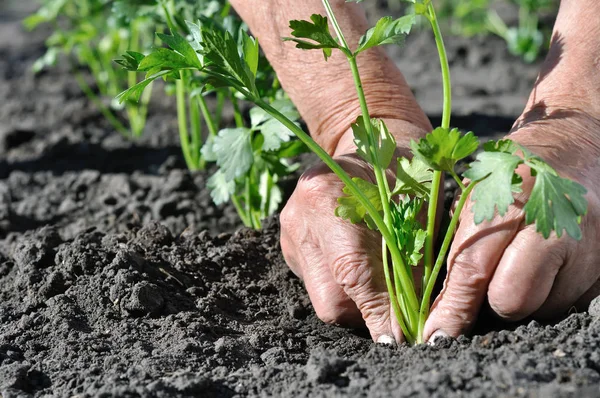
{"x":522,"y":273}
{"x":340,"y":263}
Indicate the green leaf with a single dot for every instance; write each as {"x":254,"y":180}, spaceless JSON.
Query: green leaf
{"x":131,"y":60}
{"x":221,"y":50}
{"x":291,"y":149}
{"x":162,"y":59}
{"x":555,"y":203}
{"x":350,"y":207}
{"x":385,"y":145}
{"x":409,"y":233}
{"x":497,"y":169}
{"x":251,"y":53}
{"x":221,"y":189}
{"x":233,"y":150}
{"x":413,"y":177}
{"x":317,"y":30}
{"x":134,"y":92}
{"x":386,"y":31}
{"x":270,"y":194}
{"x":506,"y":146}
{"x":179,"y":44}
{"x":442,"y":148}
{"x":273,"y":131}
{"x":196,"y":34}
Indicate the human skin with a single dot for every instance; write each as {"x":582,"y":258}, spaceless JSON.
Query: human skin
{"x":518,"y":271}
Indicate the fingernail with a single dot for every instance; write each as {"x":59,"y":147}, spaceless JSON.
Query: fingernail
{"x":385,"y":339}
{"x":436,"y":335}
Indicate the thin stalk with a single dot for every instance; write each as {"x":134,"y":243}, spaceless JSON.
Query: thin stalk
{"x":446,"y":114}
{"x":219,"y":109}
{"x":226,"y":9}
{"x":458,"y":180}
{"x":237,"y":113}
{"x":170,"y":23}
{"x":137,"y":113}
{"x":380,"y":177}
{"x":496,"y":25}
{"x":106,"y":112}
{"x":213,"y":128}
{"x":241,"y":211}
{"x":434,"y":194}
{"x":143,"y":110}
{"x":446,"y":82}
{"x":182,"y":122}
{"x":252,"y":214}
{"x":424,"y":311}
{"x":196,"y":129}
{"x":394,"y":299}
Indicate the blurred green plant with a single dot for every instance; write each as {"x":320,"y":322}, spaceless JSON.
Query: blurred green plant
{"x":476,"y":17}
{"x":252,"y":157}
{"x":90,"y":33}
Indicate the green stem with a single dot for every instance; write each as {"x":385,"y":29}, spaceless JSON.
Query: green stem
{"x":395,"y":299}
{"x":213,"y":129}
{"x":424,"y":311}
{"x":496,"y":25}
{"x":196,"y":129}
{"x":237,"y":113}
{"x":382,"y":183}
{"x":446,"y":82}
{"x":219,"y":109}
{"x":182,"y":121}
{"x":241,"y":212}
{"x":106,"y":112}
{"x":458,"y":180}
{"x":170,"y":23}
{"x":434,"y":194}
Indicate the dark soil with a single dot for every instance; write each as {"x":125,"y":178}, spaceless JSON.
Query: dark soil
{"x":118,"y":278}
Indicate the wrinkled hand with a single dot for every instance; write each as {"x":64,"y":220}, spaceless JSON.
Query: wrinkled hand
{"x":340,"y":263}
{"x":521,"y":273}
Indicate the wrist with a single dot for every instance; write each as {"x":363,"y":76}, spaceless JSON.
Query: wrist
{"x":570,"y":76}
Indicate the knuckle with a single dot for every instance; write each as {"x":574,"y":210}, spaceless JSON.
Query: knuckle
{"x":468,"y":275}
{"x":328,"y":315}
{"x":508,"y":304}
{"x":288,"y":217}
{"x":375,"y":310}
{"x":351,"y":271}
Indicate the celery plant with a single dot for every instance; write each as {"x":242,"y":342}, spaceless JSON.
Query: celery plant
{"x":92,"y":35}
{"x":474,"y":17}
{"x":556,"y":204}
{"x":252,"y":159}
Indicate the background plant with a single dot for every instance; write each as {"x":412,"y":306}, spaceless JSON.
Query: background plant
{"x":91,"y":33}
{"x":252,"y":158}
{"x":477,"y":17}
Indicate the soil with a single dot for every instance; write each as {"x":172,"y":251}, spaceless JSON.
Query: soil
{"x":119,"y":278}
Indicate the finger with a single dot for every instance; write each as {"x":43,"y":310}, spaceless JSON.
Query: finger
{"x":303,"y":254}
{"x":525,"y":274}
{"x":356,"y":266}
{"x":575,"y":279}
{"x":471,"y":264}
{"x":584,"y":301}
{"x":331,"y":303}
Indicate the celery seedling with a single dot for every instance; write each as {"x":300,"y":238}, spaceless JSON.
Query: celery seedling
{"x":91,"y":34}
{"x":252,"y":159}
{"x":555,"y":204}
{"x":475,"y":17}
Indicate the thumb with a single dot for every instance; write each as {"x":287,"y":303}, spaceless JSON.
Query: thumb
{"x":473,"y":258}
